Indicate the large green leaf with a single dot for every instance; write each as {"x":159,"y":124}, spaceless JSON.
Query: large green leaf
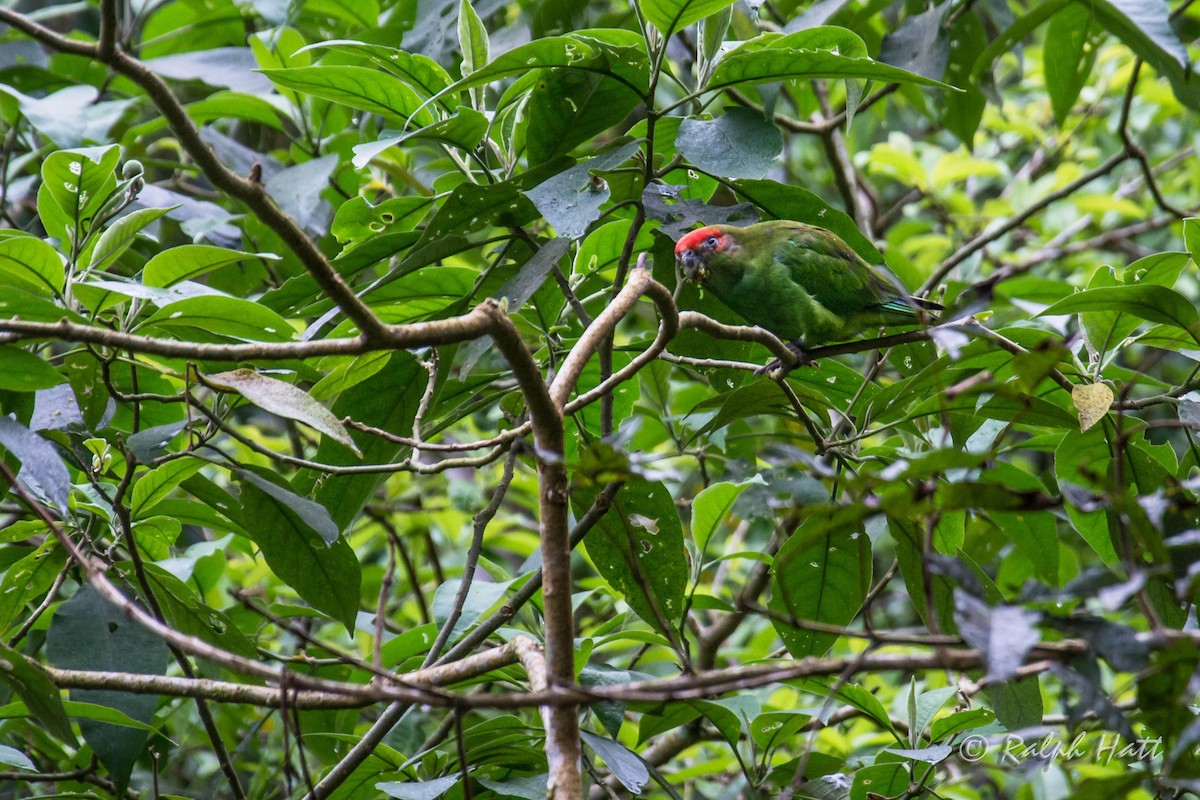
{"x":737,"y":144}
{"x":819,"y":575}
{"x":217,"y":318}
{"x":121,"y":234}
{"x":1068,"y":57}
{"x":610,"y":51}
{"x":22,"y":371}
{"x":182,"y":263}
{"x":804,"y":55}
{"x":1146,"y":301}
{"x":325,"y":574}
{"x":637,"y":547}
{"x":388,"y":400}
{"x":90,"y":634}
{"x":710,"y":507}
{"x":366,"y":89}
{"x":32,"y":262}
{"x":284,"y":399}
{"x":75,"y":185}
{"x":40,"y":696}
{"x":569,"y":106}
{"x":1081,"y":462}
{"x":418,"y":71}
{"x":670,"y":16}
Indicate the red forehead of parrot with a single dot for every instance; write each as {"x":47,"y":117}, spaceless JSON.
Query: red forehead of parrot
{"x":709,"y":238}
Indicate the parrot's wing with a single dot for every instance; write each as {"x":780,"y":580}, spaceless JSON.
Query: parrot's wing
{"x":834,"y":275}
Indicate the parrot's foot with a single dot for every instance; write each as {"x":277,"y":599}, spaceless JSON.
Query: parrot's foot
{"x":776,"y":367}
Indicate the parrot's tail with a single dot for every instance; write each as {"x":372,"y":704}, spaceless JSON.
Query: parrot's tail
{"x":915,"y":307}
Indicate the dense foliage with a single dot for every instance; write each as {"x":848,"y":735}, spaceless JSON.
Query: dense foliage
{"x":351,"y":406}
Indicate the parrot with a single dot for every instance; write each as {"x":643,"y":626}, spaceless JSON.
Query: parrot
{"x":802,"y":283}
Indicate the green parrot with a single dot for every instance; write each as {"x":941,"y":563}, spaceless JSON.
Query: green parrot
{"x":802,"y":283}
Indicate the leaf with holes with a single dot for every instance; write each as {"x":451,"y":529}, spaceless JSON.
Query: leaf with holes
{"x":637,"y":547}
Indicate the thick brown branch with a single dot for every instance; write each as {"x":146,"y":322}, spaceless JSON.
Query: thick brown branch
{"x":640,"y":283}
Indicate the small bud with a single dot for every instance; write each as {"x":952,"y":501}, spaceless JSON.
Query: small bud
{"x":132,"y":169}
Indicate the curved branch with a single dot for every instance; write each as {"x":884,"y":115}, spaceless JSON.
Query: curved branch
{"x":475,"y":323}
{"x":640,"y":283}
{"x":42,"y":34}
{"x":740,"y":333}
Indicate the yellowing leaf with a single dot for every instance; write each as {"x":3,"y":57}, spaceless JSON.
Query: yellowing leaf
{"x":1092,"y":401}
{"x":278,"y":397}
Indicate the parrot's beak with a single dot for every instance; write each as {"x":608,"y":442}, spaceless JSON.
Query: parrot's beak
{"x":693,"y":266}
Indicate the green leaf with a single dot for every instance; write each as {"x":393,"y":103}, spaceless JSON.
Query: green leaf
{"x":465,"y":130}
{"x":963,"y":111}
{"x":1068,"y":57}
{"x":1081,"y":462}
{"x":89,"y":633}
{"x":637,"y":547}
{"x":39,"y":694}
{"x":626,"y":765}
{"x":471,"y":208}
{"x":419,"y":790}
{"x":737,"y":144}
{"x":850,"y":694}
{"x":567,"y":107}
{"x":22,"y":371}
{"x":15,"y":758}
{"x":168,"y":267}
{"x":819,"y":575}
{"x":777,"y":728}
{"x":363,"y":88}
{"x":217,"y":318}
{"x":919,"y":44}
{"x":326,"y":575}
{"x":185,"y":611}
{"x":41,"y":468}
{"x":120,"y":235}
{"x":418,"y":71}
{"x":1191,"y":237}
{"x":284,"y":399}
{"x":532,"y":787}
{"x":1145,"y":26}
{"x":730,"y":715}
{"x":881,"y":780}
{"x":615,"y":52}
{"x":34,"y":263}
{"x":670,"y":16}
{"x":1017,"y":704}
{"x":388,"y":400}
{"x":710,"y":507}
{"x":28,"y":579}
{"x":803,"y":56}
{"x":942,"y":729}
{"x":1146,"y":301}
{"x":571,"y":200}
{"x":472,"y":38}
{"x":313,"y":517}
{"x":153,"y":487}
{"x":75,"y":185}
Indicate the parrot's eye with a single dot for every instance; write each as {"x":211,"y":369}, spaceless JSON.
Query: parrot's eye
{"x":710,"y":243}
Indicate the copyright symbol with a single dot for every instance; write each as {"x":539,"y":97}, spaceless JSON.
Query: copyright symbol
{"x":973,"y":749}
